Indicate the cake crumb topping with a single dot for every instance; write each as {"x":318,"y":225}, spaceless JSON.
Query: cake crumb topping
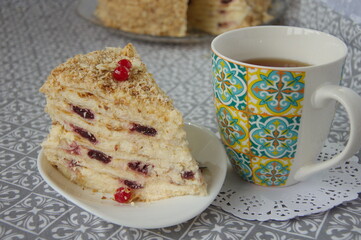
{"x":93,"y":72}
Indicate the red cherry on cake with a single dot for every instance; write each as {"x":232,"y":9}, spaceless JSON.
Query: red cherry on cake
{"x":123,"y":195}
{"x":121,"y":73}
{"x":125,"y":63}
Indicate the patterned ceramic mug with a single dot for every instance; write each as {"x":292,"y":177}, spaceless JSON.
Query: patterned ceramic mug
{"x":274,"y":120}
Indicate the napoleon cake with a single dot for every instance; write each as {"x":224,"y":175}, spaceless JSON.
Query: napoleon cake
{"x":115,"y":131}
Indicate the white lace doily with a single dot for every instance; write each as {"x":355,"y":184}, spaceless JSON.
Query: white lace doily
{"x":319,"y":193}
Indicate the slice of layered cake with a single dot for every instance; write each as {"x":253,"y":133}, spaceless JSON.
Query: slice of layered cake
{"x":218,"y":16}
{"x":115,"y":131}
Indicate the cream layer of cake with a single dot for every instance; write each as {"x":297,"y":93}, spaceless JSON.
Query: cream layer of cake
{"x":109,"y":183}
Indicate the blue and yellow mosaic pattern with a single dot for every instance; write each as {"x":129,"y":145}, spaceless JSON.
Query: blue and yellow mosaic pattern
{"x":259,"y":114}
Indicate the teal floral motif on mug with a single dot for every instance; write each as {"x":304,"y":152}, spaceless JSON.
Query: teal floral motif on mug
{"x":229,"y":83}
{"x":274,"y":137}
{"x":279,"y":91}
{"x":241,"y":163}
{"x":231,"y":131}
{"x":273,"y":173}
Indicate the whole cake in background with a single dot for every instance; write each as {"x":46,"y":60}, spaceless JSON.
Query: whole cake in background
{"x":175,"y":17}
{"x":115,"y":131}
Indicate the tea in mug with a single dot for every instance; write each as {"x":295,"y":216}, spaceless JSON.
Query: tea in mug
{"x":275,"y":62}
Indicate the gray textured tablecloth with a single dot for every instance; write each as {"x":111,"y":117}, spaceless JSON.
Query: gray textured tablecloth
{"x":36,"y":36}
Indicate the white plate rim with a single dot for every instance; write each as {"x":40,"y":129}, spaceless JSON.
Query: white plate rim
{"x":184,"y":208}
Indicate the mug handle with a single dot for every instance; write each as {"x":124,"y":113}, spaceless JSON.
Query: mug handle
{"x":352,"y":103}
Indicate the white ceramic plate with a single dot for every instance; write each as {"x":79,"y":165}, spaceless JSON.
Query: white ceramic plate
{"x":205,"y":147}
{"x":86,"y":10}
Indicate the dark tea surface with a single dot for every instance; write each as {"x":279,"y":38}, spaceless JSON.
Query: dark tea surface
{"x":275,"y":62}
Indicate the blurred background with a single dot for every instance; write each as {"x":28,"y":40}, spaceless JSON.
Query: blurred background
{"x":38,"y":35}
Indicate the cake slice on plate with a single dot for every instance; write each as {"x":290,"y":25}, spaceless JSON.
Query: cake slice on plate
{"x":115,"y":131}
